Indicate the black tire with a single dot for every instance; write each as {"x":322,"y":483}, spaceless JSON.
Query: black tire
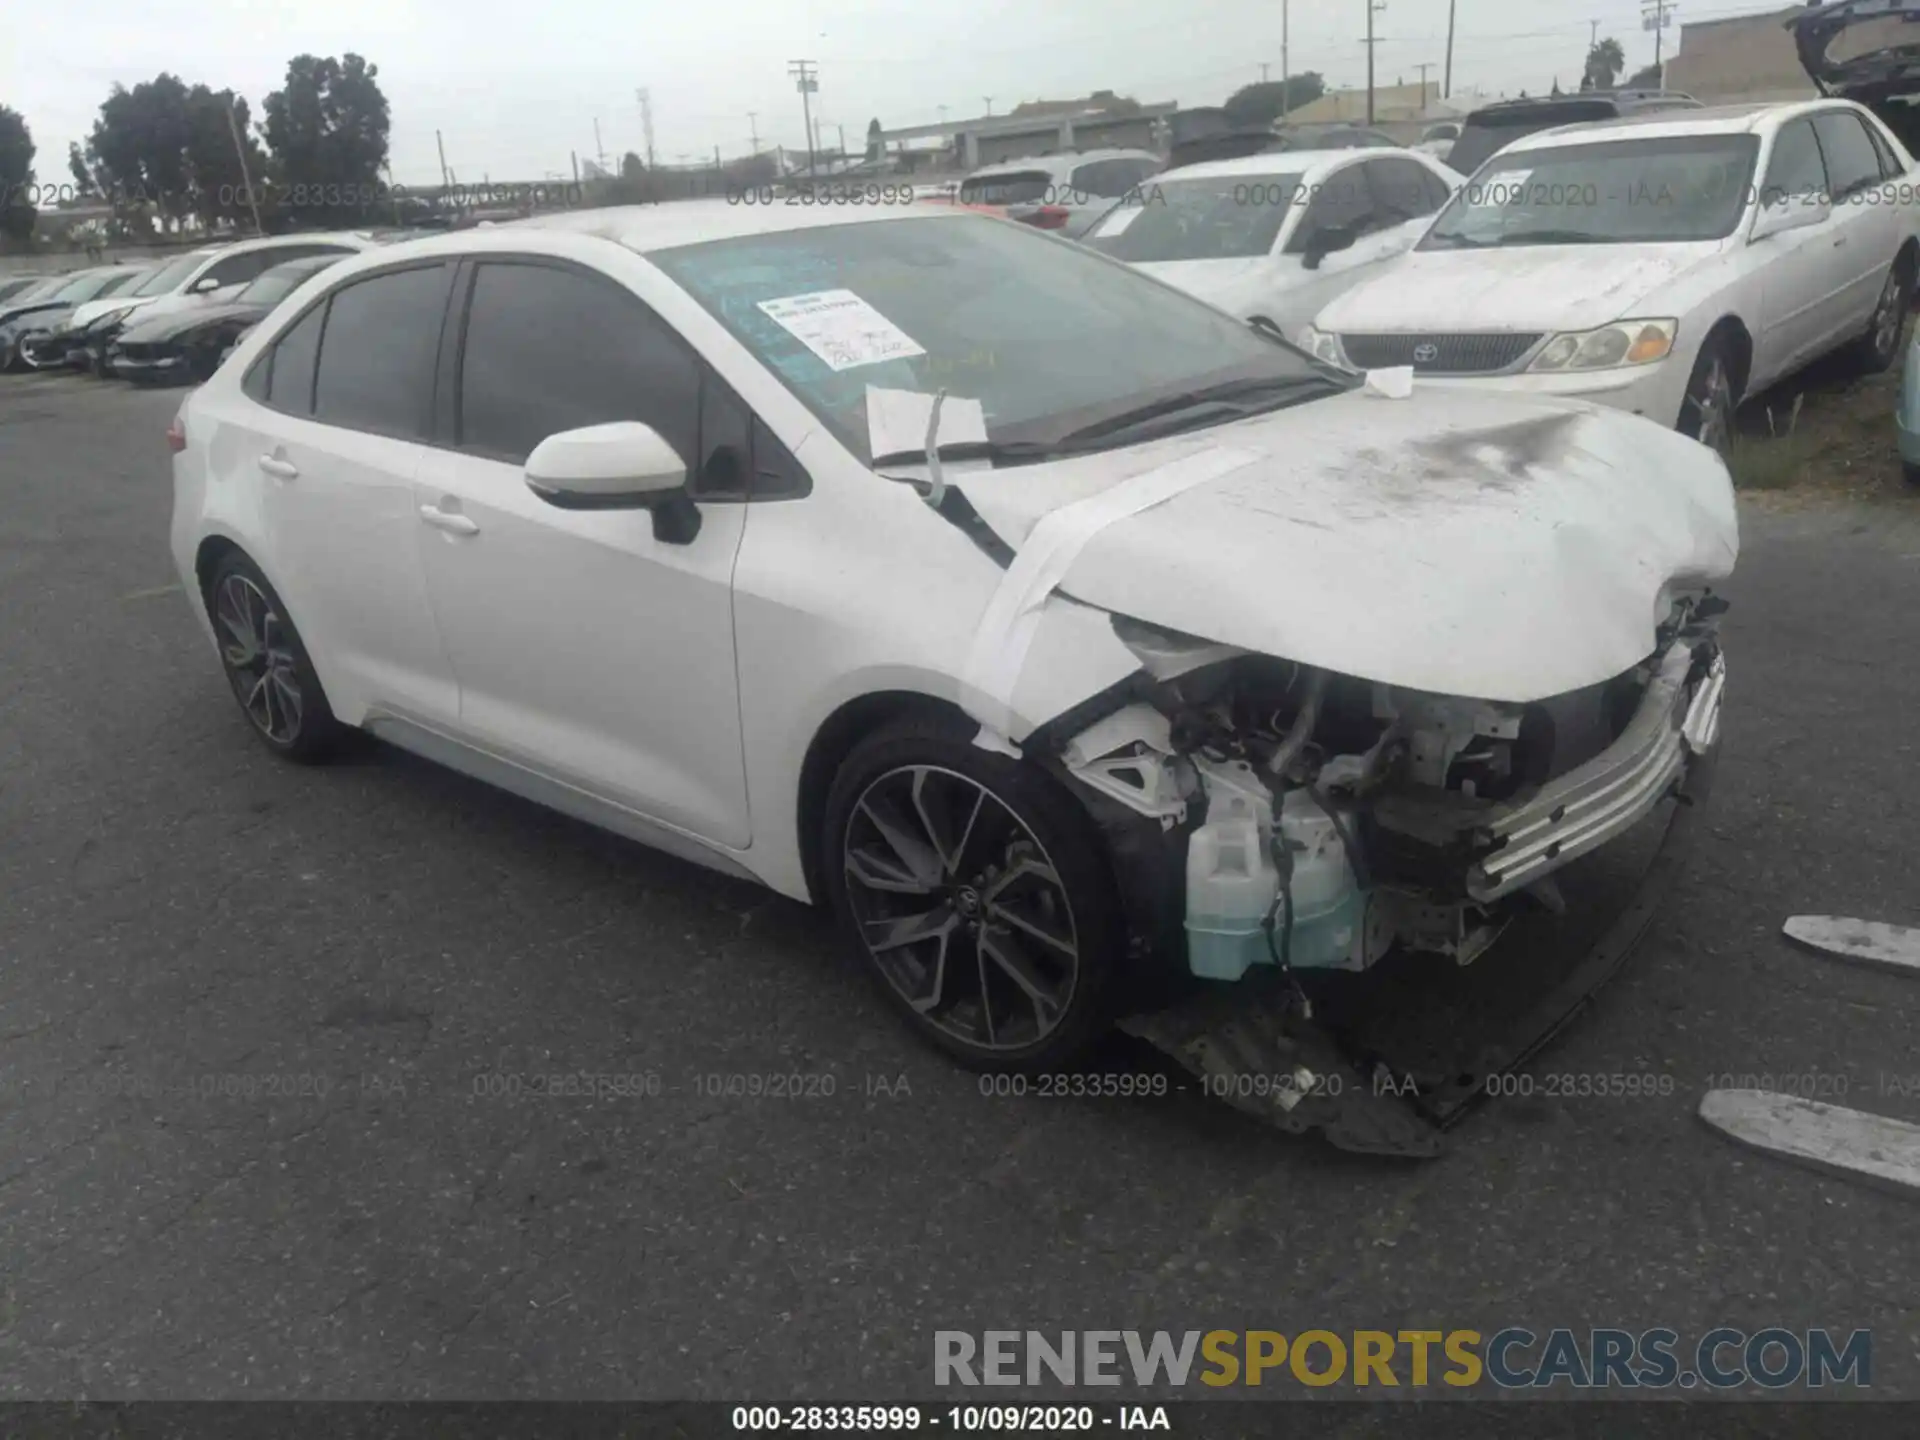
{"x":275,"y":685}
{"x":1876,"y":350}
{"x":1713,"y":395}
{"x":1048,"y":839}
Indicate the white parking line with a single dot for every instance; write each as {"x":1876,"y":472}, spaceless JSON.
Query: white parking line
{"x":1891,"y":947}
{"x":1884,"y":1153}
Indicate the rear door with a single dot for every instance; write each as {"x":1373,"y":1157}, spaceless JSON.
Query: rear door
{"x":585,"y":647}
{"x":332,"y":443}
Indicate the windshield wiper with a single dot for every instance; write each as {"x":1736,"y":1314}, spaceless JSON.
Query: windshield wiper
{"x":999,"y":452}
{"x":1230,"y":400}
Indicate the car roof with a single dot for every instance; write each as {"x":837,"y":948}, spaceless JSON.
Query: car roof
{"x":1655,"y":125}
{"x":1060,"y":160}
{"x":276,"y":242}
{"x":646,"y":228}
{"x":1281,"y":162}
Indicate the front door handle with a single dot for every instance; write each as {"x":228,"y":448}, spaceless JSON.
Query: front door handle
{"x":450,"y":521}
{"x":278,"y":468}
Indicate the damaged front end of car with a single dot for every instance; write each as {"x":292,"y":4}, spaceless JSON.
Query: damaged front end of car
{"x":1292,"y":832}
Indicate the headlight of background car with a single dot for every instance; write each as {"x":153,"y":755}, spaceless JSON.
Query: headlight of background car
{"x":1625,"y":342}
{"x":1325,"y":346}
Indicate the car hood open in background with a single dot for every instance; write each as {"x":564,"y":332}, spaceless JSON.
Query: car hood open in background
{"x":1857,"y":46}
{"x":1517,"y":287}
{"x":1493,"y":546}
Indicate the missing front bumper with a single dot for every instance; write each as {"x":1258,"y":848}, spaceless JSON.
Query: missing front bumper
{"x":1677,"y":722}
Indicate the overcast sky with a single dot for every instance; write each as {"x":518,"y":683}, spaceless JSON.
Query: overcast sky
{"x":513,"y":88}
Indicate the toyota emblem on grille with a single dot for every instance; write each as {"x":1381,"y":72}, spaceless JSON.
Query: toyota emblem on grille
{"x":1426,"y":354}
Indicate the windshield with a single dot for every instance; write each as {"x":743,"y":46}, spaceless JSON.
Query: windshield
{"x":1022,"y":189}
{"x":1223,"y":218}
{"x":1047,"y":337}
{"x":168,"y":277}
{"x":84,"y":286}
{"x":1484,"y":136}
{"x":1674,"y":189}
{"x":276,"y":284}
{"x":123,"y":283}
{"x":41,"y":289}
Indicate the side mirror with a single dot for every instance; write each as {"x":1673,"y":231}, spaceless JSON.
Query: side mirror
{"x":203,"y":285}
{"x":1789,"y":212}
{"x":1327,"y":241}
{"x":619,"y":466}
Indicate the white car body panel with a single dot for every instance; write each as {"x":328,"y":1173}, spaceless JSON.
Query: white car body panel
{"x":1334,"y":548}
{"x":1798,"y":293}
{"x":1278,"y":286}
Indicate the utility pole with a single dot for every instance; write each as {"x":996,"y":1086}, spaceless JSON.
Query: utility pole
{"x":1373,"y":7}
{"x":806,"y":77}
{"x":240,"y":152}
{"x":1423,"y":67}
{"x":446,"y":178}
{"x":574,"y":155}
{"x":645,"y":97}
{"x":989,"y":100}
{"x":1446,"y":82}
{"x":1263,"y":72}
{"x":753,"y":130}
{"x":1656,"y":15}
{"x":599,"y":150}
{"x":716,"y":157}
{"x":843,"y":139}
{"x":1286,"y":70}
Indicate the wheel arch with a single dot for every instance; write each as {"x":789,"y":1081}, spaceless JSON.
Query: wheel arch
{"x":1739,"y":341}
{"x":832,"y":743}
{"x":207,"y":556}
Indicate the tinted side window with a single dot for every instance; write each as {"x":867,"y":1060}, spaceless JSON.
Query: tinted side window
{"x":1110,"y":179}
{"x":377,"y":353}
{"x":1400,"y":189}
{"x":301,"y":252}
{"x":238,"y":269}
{"x":1889,"y":164}
{"x":550,"y":349}
{"x":289,"y":365}
{"x":1343,"y":202}
{"x":1794,"y":170}
{"x":1852,"y":163}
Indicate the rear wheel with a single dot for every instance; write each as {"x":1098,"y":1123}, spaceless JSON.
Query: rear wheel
{"x":1876,"y":350}
{"x":1706,"y":412}
{"x":267,"y":665}
{"x":978,"y":895}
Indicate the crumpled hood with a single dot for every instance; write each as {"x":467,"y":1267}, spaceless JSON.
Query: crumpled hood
{"x":1222,"y":283}
{"x":1524,"y":287}
{"x":86,"y":314}
{"x":1494,"y":546}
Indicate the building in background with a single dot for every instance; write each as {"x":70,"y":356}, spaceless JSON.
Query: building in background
{"x":1751,"y":57}
{"x":1038,"y":127}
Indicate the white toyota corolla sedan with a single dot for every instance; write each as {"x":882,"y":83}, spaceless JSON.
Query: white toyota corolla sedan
{"x":1049,"y":624}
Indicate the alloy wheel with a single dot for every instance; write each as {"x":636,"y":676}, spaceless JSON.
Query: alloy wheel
{"x":960,"y":908}
{"x":1888,"y":317}
{"x":1712,"y":403}
{"x":260,"y":659}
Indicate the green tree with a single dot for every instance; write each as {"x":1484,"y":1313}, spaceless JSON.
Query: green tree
{"x":138,"y":148}
{"x":326,"y":131}
{"x":220,"y":186}
{"x":77,"y":167}
{"x":17,"y":211}
{"x":1605,"y":61}
{"x":876,"y":145}
{"x":1262,"y":103}
{"x":1647,"y":77}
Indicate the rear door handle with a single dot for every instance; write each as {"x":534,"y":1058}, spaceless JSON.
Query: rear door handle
{"x":279,"y":469}
{"x":447,"y":520}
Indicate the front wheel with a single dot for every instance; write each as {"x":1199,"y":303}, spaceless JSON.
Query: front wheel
{"x":978,"y":894}
{"x":1706,"y":412}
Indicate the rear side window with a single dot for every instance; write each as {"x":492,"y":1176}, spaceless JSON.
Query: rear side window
{"x":1026,"y":188}
{"x":550,"y":349}
{"x":1853,"y":164}
{"x":286,"y":375}
{"x":377,"y":352}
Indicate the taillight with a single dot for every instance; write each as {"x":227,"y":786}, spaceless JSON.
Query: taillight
{"x":1049,"y":217}
{"x":177,"y":435}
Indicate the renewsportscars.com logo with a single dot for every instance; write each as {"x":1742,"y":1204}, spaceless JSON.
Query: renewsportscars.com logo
{"x":1513,"y":1359}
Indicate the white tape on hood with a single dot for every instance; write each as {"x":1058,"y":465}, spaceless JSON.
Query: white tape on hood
{"x":1007,"y":625}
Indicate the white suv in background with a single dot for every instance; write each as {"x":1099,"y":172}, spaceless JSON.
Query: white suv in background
{"x":216,"y":272}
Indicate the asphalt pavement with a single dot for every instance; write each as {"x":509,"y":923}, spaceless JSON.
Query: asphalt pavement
{"x":270,"y":1037}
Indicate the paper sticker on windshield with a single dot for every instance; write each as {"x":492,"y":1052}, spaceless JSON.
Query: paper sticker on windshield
{"x":841,"y":328}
